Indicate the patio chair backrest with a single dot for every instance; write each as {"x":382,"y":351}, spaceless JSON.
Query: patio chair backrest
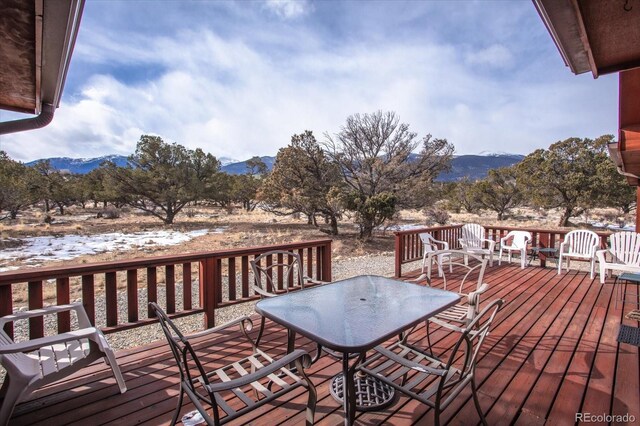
{"x":473,"y":235}
{"x":474,"y":270}
{"x":472,"y":339}
{"x":582,"y":241}
{"x":625,"y":248}
{"x":277,"y":270}
{"x":519,"y":239}
{"x":181,"y":349}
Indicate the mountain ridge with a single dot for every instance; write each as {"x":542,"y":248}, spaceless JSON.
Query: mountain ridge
{"x":473,"y":166}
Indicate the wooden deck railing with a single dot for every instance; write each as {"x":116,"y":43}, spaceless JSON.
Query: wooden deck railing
{"x":223,"y":278}
{"x":408,"y":246}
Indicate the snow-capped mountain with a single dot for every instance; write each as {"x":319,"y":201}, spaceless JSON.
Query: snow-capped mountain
{"x":472,"y":166}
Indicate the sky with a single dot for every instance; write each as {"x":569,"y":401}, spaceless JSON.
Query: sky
{"x":239,"y":78}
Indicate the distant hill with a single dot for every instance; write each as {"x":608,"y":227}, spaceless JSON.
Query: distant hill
{"x":473,"y":166}
{"x":477,"y":166}
{"x":81,"y":165}
{"x":240,"y":167}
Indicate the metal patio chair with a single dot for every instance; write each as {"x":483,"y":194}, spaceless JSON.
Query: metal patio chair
{"x":287,"y":269}
{"x":257,"y":373}
{"x":37,"y":362}
{"x":434,"y":381}
{"x":462,"y":314}
{"x":474,"y":241}
{"x":517,"y":241}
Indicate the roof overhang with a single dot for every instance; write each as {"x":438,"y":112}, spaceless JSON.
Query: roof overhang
{"x":37,"y":38}
{"x":601,"y":36}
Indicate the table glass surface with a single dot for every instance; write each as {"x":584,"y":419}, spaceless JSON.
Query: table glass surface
{"x":356,"y":314}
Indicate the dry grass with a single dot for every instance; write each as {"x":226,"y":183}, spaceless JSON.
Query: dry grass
{"x":244,"y":229}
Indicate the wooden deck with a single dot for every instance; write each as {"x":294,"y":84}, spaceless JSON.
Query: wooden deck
{"x":551,"y":354}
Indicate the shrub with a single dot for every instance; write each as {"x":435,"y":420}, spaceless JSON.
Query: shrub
{"x":436,"y":215}
{"x":109,"y":213}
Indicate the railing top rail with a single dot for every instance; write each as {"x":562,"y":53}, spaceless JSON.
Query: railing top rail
{"x":427,"y":229}
{"x":50,"y":272}
{"x":506,"y":228}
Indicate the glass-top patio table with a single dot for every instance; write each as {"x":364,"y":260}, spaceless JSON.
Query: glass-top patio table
{"x":354,"y":315}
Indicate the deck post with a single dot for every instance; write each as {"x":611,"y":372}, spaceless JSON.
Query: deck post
{"x":207,"y":292}
{"x":326,"y":262}
{"x":398,"y":255}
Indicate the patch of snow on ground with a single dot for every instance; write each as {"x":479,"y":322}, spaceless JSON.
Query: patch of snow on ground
{"x":408,"y":227}
{"x":38,"y":249}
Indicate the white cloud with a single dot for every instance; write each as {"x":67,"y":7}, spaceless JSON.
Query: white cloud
{"x":244,"y":94}
{"x":496,"y":56}
{"x":289,"y":9}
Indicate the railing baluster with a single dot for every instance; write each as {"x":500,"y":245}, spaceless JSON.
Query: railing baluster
{"x":88,"y":297}
{"x":281,"y":271}
{"x":6,"y":306}
{"x":170,"y":284}
{"x":62,"y":298}
{"x":217,"y":273}
{"x":231,"y":269}
{"x":36,"y":325}
{"x":318,"y":263}
{"x":269,"y":278}
{"x":310,"y":262}
{"x":111,"y":296}
{"x":152,"y":289}
{"x":132,"y":295}
{"x":186,"y":286}
{"x":244,"y":273}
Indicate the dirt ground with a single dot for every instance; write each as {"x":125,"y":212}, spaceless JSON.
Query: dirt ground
{"x":246,"y":229}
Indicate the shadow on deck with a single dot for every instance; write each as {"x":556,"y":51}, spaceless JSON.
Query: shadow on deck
{"x":551,"y":354}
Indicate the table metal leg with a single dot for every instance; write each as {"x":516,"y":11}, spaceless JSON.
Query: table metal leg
{"x":291,"y":345}
{"x":349,"y":398}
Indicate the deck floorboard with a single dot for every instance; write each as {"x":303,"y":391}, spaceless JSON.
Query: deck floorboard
{"x":551,"y":354}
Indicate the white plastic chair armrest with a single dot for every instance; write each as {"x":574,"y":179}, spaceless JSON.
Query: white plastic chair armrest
{"x":35,"y":344}
{"x":83,"y":320}
{"x":601,"y":255}
{"x":492,"y":243}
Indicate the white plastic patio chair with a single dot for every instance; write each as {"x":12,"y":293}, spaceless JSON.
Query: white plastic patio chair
{"x":430,"y":245}
{"x":474,"y":241}
{"x":515,"y":241}
{"x":579,"y":244}
{"x":34,"y":363}
{"x":624,"y":252}
{"x":432,"y":380}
